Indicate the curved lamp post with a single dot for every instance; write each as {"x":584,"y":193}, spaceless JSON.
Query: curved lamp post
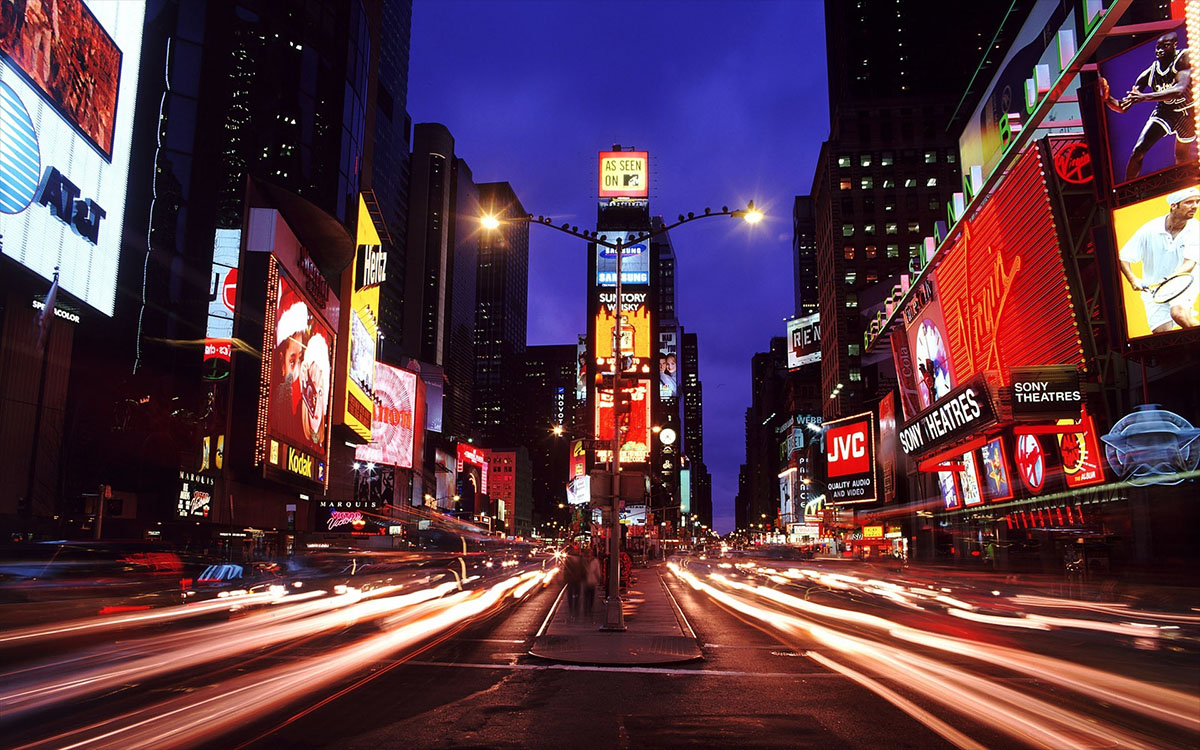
{"x":615,"y":617}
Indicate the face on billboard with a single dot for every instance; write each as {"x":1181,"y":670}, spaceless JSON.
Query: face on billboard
{"x":635,"y":260}
{"x":933,"y":361}
{"x":995,"y":470}
{"x":1159,"y":243}
{"x":392,"y":427}
{"x":68,"y":81}
{"x":1147,"y":135}
{"x":301,"y":368}
{"x":581,"y":368}
{"x":668,"y":365}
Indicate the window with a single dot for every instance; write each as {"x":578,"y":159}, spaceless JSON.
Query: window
{"x":851,"y":299}
{"x":889,"y":183}
{"x":871,"y":251}
{"x":847,"y":205}
{"x":853,"y":350}
{"x":843,"y":161}
{"x":933,"y":204}
{"x":847,"y":230}
{"x":869,"y":228}
{"x":931,"y":157}
{"x":846,"y":184}
{"x":931,"y":182}
{"x":914,"y":226}
{"x":910,"y":182}
{"x":950,"y":158}
{"x":914,"y":251}
{"x":886,"y":159}
{"x":893,"y":251}
{"x":851,"y":277}
{"x":867,"y":183}
{"x":892,"y":227}
{"x":869,"y":205}
{"x":889,"y":206}
{"x":855,"y":374}
{"x":848,"y":252}
{"x":864,"y":160}
{"x":872,"y":277}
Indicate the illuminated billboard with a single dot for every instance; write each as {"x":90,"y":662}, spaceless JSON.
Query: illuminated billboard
{"x":1146,"y":133}
{"x":635,"y":327}
{"x":624,"y":174}
{"x":222,"y":295}
{"x":635,"y":260}
{"x":301,"y":346}
{"x":581,"y":368}
{"x":668,"y":364}
{"x":999,"y":297}
{"x":471,"y":469}
{"x":804,"y":340}
{"x":634,"y":424}
{"x":360,"y":327}
{"x":392,"y":430}
{"x":68,"y":82}
{"x":1158,"y":243}
{"x":850,"y":459}
{"x":1082,"y":463}
{"x":995,"y":470}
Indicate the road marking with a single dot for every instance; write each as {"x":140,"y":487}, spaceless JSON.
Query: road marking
{"x":627,"y":670}
{"x":493,"y":640}
{"x":553,"y":607}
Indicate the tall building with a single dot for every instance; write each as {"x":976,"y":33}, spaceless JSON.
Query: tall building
{"x":501,"y":313}
{"x":390,"y":172}
{"x":804,"y":256}
{"x":884,"y":176}
{"x":510,"y":487}
{"x":440,"y":267}
{"x":548,"y":393}
{"x":693,"y":429}
{"x":768,"y":410}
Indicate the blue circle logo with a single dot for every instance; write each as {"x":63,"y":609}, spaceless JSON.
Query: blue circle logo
{"x":20,"y":161}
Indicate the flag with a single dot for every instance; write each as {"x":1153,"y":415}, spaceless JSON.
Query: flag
{"x":47,"y":311}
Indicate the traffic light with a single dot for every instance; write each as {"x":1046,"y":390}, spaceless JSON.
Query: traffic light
{"x":624,"y":403}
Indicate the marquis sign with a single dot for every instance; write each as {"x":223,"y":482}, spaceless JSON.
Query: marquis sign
{"x":964,"y":410}
{"x":1049,"y":392}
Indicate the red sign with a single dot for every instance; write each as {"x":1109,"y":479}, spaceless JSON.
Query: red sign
{"x":229,"y":288}
{"x":1073,"y":163}
{"x":848,"y":449}
{"x":1082,"y":461}
{"x":1031,"y":462}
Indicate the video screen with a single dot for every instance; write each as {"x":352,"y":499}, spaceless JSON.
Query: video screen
{"x":392,"y":429}
{"x":1149,"y":131}
{"x":61,"y":48}
{"x":1158,"y":251}
{"x":301,"y":369}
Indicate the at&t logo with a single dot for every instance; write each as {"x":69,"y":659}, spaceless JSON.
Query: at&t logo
{"x":20,"y":160}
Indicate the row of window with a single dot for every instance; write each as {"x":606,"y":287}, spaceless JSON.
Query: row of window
{"x":889,"y":204}
{"x":887,"y":159}
{"x":867,"y":182}
{"x":870,"y":252}
{"x":891,"y":227}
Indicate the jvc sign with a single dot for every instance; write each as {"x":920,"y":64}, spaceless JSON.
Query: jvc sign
{"x":850,"y":459}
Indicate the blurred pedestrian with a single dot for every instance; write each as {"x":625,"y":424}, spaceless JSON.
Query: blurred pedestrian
{"x":592,"y":577}
{"x":574,"y":574}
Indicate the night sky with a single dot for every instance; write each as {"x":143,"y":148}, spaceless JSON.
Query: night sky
{"x":729,"y":99}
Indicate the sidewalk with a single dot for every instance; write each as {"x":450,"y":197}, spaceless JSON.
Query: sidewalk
{"x":656,"y":632}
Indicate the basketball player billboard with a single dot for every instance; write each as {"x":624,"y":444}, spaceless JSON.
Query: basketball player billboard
{"x":1149,"y":112}
{"x":1158,"y":243}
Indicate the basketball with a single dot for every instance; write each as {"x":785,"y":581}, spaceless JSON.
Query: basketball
{"x":1103,"y":88}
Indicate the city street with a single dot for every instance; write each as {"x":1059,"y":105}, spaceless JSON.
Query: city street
{"x":823,"y":653}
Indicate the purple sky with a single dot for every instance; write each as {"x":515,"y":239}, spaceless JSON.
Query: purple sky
{"x":729,"y":98}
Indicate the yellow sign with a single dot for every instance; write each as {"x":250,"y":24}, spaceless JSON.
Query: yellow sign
{"x":624,"y":174}
{"x":360,"y":327}
{"x":872,"y":532}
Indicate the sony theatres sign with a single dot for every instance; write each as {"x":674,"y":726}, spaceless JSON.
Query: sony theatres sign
{"x":963,"y":411}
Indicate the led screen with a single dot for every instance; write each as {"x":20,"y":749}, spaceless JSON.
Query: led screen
{"x":1156,"y":240}
{"x":635,"y":260}
{"x":68,"y":81}
{"x":392,"y":427}
{"x":1146,"y":135}
{"x":634,"y":424}
{"x":668,"y":365}
{"x":300,"y":385}
{"x":635,"y":326}
{"x":360,"y":327}
{"x":581,"y":368}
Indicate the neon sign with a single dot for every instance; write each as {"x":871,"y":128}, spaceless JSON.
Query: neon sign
{"x":1152,"y":446}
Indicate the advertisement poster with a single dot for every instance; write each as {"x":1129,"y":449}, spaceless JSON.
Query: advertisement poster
{"x":222,"y":296}
{"x":624,"y":174}
{"x":850,"y":459}
{"x":1148,"y":254}
{"x":635,"y":327}
{"x":969,"y":479}
{"x":668,"y":364}
{"x":927,"y":341}
{"x":948,"y":488}
{"x":635,"y":260}
{"x":804,"y":341}
{"x":1031,"y":462}
{"x":68,"y":83}
{"x":995,"y":471}
{"x":392,"y":429}
{"x":360,"y":328}
{"x":581,"y":369}
{"x":634,"y":424}
{"x":1082,"y":463}
{"x":1146,"y":135}
{"x":888,"y":444}
{"x":300,"y":379}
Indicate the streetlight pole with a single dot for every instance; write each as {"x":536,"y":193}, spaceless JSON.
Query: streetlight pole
{"x":615,"y":617}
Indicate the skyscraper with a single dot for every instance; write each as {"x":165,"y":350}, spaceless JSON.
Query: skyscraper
{"x":502,"y":306}
{"x":693,"y":429}
{"x":548,"y":398}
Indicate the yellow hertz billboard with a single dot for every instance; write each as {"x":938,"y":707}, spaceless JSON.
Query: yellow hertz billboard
{"x":360,"y":326}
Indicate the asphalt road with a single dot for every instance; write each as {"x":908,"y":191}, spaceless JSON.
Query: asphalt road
{"x":796,"y":655}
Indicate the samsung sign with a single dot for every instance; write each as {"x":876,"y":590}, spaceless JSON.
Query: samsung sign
{"x":64,"y":140}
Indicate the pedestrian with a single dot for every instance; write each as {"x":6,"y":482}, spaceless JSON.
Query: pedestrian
{"x":574,"y":574}
{"x":593,"y":575}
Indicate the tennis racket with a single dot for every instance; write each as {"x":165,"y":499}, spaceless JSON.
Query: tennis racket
{"x":1171,"y":287}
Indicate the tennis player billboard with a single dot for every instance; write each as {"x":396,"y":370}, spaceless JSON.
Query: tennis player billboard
{"x":1158,"y":242}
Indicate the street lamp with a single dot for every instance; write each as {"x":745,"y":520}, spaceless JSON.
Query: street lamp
{"x":615,"y":617}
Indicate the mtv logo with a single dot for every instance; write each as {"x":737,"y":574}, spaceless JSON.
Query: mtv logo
{"x":633,"y":180}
